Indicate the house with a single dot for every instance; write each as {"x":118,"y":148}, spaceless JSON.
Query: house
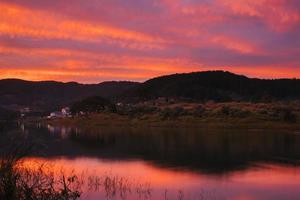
{"x":120,"y":104}
{"x":66,"y":111}
{"x":55,"y":114}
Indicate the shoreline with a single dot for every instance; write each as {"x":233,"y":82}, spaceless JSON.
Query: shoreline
{"x":115,"y":120}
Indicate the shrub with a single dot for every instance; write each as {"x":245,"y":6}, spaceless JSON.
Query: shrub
{"x":93,"y":105}
{"x":233,"y":112}
{"x":284,"y":113}
{"x":289,"y":116}
{"x":170,"y":113}
{"x":199,"y":111}
{"x":166,"y":113}
{"x":20,"y":183}
{"x":225,"y":110}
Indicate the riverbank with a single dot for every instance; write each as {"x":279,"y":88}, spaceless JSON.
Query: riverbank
{"x":114,"y":120}
{"x":279,"y":115}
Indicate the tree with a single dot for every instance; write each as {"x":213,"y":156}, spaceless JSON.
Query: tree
{"x":94,"y":104}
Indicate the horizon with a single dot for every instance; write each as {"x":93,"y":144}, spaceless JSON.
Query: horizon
{"x":88,"y":83}
{"x":87,"y":43}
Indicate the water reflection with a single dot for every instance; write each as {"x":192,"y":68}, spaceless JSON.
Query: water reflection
{"x":61,"y":131}
{"x":261,"y":182}
{"x":196,"y":163}
{"x":212,"y":151}
{"x":206,"y":150}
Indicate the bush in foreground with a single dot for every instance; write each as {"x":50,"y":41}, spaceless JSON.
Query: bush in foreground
{"x":20,"y":183}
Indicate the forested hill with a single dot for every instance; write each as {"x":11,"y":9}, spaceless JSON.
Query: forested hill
{"x":217,"y":86}
{"x":197,"y":86}
{"x":48,"y":95}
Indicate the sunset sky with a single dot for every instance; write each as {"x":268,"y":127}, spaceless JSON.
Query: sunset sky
{"x":91,"y":41}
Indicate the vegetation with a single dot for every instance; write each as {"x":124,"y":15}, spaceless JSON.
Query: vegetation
{"x":279,"y":115}
{"x":51,"y":95}
{"x":94,"y":104}
{"x":19,"y":183}
{"x":207,"y":99}
{"x":7,"y":116}
{"x":218,"y":86}
{"x":200,"y":87}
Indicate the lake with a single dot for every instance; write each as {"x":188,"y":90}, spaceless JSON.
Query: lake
{"x":170,"y":163}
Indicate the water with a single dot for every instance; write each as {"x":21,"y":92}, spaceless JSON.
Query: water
{"x":173,"y":163}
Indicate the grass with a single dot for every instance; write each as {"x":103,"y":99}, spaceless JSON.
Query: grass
{"x":19,"y":183}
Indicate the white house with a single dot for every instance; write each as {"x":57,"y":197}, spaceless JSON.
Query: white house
{"x":55,"y":114}
{"x":66,"y":111}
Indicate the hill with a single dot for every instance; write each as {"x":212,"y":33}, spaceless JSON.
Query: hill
{"x":49,"y":95}
{"x":219,"y":86}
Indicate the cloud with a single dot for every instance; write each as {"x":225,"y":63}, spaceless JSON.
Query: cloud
{"x":280,"y":15}
{"x":19,"y":21}
{"x":137,"y":40}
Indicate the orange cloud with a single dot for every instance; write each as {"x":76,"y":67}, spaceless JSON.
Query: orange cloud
{"x":20,"y":21}
{"x":62,"y":75}
{"x":161,"y":37}
{"x":70,"y":65}
{"x":235,"y":44}
{"x":66,"y":58}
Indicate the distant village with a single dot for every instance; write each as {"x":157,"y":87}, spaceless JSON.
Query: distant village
{"x":121,"y":108}
{"x":63,"y":113}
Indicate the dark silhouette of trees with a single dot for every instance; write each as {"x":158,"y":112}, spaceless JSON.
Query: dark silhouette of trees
{"x":218,"y":86}
{"x":94,"y":104}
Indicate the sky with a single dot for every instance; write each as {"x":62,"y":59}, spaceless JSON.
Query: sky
{"x":91,"y":41}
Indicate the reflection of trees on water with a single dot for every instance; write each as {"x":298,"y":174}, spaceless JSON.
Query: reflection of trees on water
{"x":63,"y":132}
{"x":210,"y":151}
{"x":214,"y":151}
{"x":37,"y":181}
{"x":206,"y":150}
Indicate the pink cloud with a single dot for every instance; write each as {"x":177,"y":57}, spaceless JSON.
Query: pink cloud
{"x":145,"y":38}
{"x":278,"y":14}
